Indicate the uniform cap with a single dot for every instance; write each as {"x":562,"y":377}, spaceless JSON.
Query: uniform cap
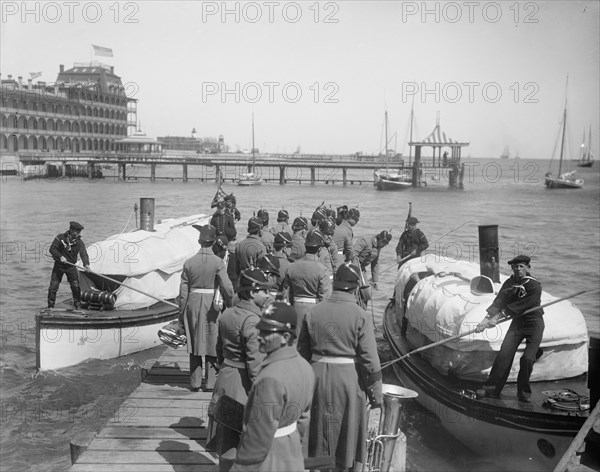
{"x":314,"y":238}
{"x":253,"y":279}
{"x":254,"y":225}
{"x":278,"y":317}
{"x":354,"y":214}
{"x":327,"y":227}
{"x":229,"y":198}
{"x":208,"y":233}
{"x":347,"y":277}
{"x":263,"y":215}
{"x":300,"y":223}
{"x":283,"y":239}
{"x":385,"y":236}
{"x":283,"y":215}
{"x":520,"y":260}
{"x":269,"y":264}
{"x":75,"y":226}
{"x":411,"y":220}
{"x":319,"y":214}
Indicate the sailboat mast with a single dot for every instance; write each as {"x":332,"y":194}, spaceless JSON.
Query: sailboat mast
{"x":386,"y":141}
{"x":253,"y":156}
{"x":589,"y":146}
{"x":411,"y":130}
{"x":562,"y":142}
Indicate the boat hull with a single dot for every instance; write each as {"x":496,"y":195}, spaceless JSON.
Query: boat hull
{"x":249,"y":183}
{"x":66,"y":337}
{"x":516,"y":436}
{"x":562,"y":184}
{"x":394,"y":180}
{"x":585,"y":164}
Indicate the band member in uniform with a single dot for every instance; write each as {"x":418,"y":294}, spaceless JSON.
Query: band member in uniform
{"x":223,"y":222}
{"x":518,"y":294}
{"x":300,"y":228}
{"x":283,"y":243}
{"x":196,"y":292}
{"x":251,"y":249}
{"x":347,"y":372}
{"x":269,"y":264}
{"x":282,"y":224}
{"x":238,"y":355}
{"x":266,"y":236}
{"x":308,"y":280}
{"x":277,"y":413}
{"x":230,"y":207}
{"x":367,"y":252}
{"x":319,"y":215}
{"x":327,"y":228}
{"x":412,"y":242}
{"x":65,"y":248}
{"x":343,"y":237}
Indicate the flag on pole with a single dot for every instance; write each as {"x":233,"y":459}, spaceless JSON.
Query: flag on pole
{"x":35,"y":75}
{"x":220,"y":195}
{"x":100,"y":51}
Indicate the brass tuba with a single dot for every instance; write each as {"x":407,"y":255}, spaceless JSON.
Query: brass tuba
{"x":382,"y":441}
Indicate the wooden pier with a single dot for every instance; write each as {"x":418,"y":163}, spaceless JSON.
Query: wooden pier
{"x":161,"y":427}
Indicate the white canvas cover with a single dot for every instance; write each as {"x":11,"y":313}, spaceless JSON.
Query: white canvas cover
{"x":443,"y":305}
{"x":152,"y":261}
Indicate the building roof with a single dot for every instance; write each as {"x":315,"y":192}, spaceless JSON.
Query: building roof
{"x":437,"y":138}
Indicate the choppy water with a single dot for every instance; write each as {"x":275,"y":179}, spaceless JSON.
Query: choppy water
{"x":41,"y":413}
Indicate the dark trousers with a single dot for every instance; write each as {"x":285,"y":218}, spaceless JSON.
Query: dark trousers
{"x":56,"y":278}
{"x":202,"y":378}
{"x":530,"y":328}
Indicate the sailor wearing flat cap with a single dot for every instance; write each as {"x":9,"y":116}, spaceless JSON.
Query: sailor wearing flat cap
{"x":412,"y":242}
{"x":250,"y":249}
{"x":520,"y":292}
{"x":203,"y":274}
{"x":64,"y":250}
{"x":277,"y":413}
{"x":367,"y":252}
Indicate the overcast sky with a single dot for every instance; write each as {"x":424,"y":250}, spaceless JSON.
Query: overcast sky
{"x":321,"y":75}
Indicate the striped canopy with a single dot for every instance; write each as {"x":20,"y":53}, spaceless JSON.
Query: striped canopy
{"x":437,"y":138}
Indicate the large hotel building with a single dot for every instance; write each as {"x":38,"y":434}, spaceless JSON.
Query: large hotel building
{"x":85,"y":110}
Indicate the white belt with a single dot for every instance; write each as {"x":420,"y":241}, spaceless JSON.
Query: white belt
{"x":203,"y":290}
{"x":333,"y":359}
{"x":305,"y":300}
{"x":286,"y":430}
{"x":237,"y":364}
{"x":341,"y":253}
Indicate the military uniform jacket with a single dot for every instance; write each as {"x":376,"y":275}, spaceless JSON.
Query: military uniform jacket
{"x":368,"y":254}
{"x":62,"y":245}
{"x":342,"y":237}
{"x":410,"y":241}
{"x":204,"y":271}
{"x":284,"y":265}
{"x":225,"y":225}
{"x":281,"y":227}
{"x":281,"y":395}
{"x":325,"y":258}
{"x":249,"y":251}
{"x":298,"y":248}
{"x":268,"y":239}
{"x":518,"y":296}
{"x":308,"y":278}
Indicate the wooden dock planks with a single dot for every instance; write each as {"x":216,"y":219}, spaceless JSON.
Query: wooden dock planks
{"x":160,"y":427}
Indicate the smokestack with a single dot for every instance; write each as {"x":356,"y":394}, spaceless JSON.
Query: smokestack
{"x":147,"y":214}
{"x":62,"y":68}
{"x":489,"y":252}
{"x":20,"y":82}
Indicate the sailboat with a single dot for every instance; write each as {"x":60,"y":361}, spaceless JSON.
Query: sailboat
{"x":506,"y":153}
{"x":250,"y":178}
{"x":566,"y":179}
{"x":391,"y":179}
{"x":587,"y":158}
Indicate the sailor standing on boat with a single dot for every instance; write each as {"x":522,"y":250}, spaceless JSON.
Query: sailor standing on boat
{"x":278,"y":409}
{"x":64,"y":249}
{"x":200,"y":274}
{"x":412,"y":242}
{"x":347,"y":372}
{"x":519,"y":293}
{"x":238,"y":355}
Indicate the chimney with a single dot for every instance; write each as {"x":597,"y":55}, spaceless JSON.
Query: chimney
{"x":20,"y":82}
{"x":112,"y":69}
{"x":29,"y":81}
{"x":62,"y":68}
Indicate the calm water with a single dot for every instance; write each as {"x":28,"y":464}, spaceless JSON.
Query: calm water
{"x":41,"y":413}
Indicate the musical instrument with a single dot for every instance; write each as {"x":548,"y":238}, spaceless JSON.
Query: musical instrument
{"x":383,"y":441}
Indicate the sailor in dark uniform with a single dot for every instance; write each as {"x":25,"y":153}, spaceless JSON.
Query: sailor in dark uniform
{"x":230,"y":207}
{"x":251,"y":249}
{"x":519,"y":293}
{"x":223,"y":222}
{"x":412,"y":242}
{"x":347,"y":372}
{"x":367,"y":251}
{"x":277,"y":412}
{"x":64,"y":249}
